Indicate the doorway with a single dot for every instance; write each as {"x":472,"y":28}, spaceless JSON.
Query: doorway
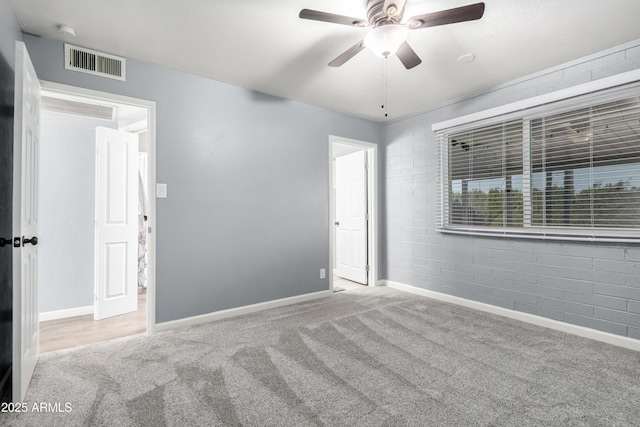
{"x":353,"y":213}
{"x":79,"y":116}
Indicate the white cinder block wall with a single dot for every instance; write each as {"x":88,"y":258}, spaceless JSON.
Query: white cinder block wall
{"x":587,"y":284}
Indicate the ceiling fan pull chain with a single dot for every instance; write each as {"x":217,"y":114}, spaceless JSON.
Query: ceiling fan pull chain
{"x":384,"y":86}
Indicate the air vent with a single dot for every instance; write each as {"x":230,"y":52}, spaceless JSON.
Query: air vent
{"x":77,"y":108}
{"x":93,"y":62}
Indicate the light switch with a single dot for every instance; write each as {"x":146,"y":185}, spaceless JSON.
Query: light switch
{"x":161,"y":191}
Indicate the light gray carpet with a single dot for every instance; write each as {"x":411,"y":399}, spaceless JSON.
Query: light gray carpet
{"x":366,"y":357}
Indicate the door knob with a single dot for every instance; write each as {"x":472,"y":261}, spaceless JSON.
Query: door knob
{"x":337,"y":223}
{"x":5,"y":242}
{"x":33,"y":241}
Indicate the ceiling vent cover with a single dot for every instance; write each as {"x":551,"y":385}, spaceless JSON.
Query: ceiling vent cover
{"x":93,"y":62}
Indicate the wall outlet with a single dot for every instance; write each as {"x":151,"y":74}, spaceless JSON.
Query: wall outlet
{"x":161,"y":191}
{"x":323,"y":273}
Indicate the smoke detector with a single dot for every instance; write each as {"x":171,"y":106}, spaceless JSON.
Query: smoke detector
{"x":66,"y":30}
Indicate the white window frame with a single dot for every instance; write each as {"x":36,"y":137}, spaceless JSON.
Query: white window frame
{"x":610,"y":88}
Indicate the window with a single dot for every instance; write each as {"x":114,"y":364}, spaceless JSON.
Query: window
{"x":569,"y":169}
{"x":485,"y":176}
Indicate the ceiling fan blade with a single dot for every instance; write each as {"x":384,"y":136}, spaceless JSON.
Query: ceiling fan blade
{"x":347,"y":54}
{"x":393,"y":7}
{"x":316,"y":15}
{"x":449,"y":16}
{"x":408,"y":56}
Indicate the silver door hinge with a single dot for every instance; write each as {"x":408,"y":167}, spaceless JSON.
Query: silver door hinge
{"x":367,"y":267}
{"x":366,"y":217}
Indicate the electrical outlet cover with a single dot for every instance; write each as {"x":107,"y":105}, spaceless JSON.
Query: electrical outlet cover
{"x":161,"y":191}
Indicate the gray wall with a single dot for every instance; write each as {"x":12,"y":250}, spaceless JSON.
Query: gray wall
{"x":247,"y":217}
{"x":67,"y":210}
{"x":588,"y":284}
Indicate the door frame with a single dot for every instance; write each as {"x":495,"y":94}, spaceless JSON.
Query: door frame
{"x":150,"y":106}
{"x":371,"y":150}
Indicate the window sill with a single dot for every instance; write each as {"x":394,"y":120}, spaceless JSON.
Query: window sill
{"x":579,"y":235}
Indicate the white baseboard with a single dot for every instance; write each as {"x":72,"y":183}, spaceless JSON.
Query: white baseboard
{"x":593,"y":334}
{"x":232,"y":312}
{"x":63,"y":314}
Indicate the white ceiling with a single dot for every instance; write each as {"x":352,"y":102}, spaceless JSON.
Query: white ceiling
{"x":264,"y":46}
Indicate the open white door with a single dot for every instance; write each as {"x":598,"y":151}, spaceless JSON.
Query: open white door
{"x":116,"y":268}
{"x":351,"y":217}
{"x":25,"y":223}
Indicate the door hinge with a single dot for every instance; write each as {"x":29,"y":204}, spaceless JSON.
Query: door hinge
{"x":367,"y":267}
{"x":366,"y":217}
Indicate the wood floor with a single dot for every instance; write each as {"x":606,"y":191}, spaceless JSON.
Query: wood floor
{"x":339,"y":282}
{"x":76,"y":331}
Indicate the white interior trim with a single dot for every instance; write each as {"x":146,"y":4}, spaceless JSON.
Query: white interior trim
{"x":581,"y":89}
{"x":529,"y":233}
{"x":372,"y":202}
{"x":232,"y":312}
{"x":581,"y":331}
{"x":150,"y":106}
{"x":63,"y":314}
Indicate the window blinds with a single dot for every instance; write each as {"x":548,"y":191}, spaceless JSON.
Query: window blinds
{"x":485,"y":167}
{"x":567,"y":168}
{"x":585,"y":167}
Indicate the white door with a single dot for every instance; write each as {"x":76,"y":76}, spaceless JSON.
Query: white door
{"x":116,"y":265}
{"x":351,"y":217}
{"x":25,"y":222}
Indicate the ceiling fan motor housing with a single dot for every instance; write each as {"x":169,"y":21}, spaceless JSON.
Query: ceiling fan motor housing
{"x":377,"y":16}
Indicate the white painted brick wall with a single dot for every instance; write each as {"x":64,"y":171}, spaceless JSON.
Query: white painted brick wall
{"x":588,"y":284}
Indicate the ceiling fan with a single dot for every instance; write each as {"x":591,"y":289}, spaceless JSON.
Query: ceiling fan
{"x":389,"y":35}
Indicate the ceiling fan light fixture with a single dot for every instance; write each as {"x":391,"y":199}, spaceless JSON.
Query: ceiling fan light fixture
{"x":385,"y":40}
